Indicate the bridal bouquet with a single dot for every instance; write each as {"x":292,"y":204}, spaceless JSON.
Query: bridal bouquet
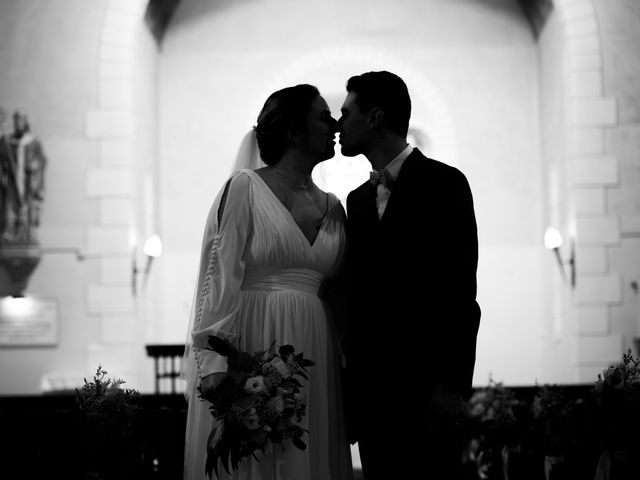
{"x":261,"y":401}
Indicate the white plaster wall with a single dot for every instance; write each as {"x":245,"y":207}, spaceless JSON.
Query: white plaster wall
{"x":621,"y":80}
{"x":123,"y":124}
{"x":556,"y":360}
{"x":54,"y":82}
{"x":472,"y":68}
{"x":84,"y":72}
{"x":590,"y":136}
{"x":135,"y":328}
{"x":545,"y":132}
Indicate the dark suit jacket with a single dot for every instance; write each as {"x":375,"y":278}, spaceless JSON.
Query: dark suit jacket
{"x":412,"y":316}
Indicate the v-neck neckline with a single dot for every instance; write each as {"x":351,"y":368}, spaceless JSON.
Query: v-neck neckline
{"x":287,"y":212}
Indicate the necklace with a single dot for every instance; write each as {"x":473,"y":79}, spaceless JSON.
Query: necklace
{"x":302,"y":186}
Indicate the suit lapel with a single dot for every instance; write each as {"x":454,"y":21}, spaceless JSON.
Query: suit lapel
{"x":365,"y":203}
{"x":370,"y":202}
{"x":402,"y":186}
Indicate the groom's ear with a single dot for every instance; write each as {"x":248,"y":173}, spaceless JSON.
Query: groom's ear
{"x":294,"y":135}
{"x":376,"y":116}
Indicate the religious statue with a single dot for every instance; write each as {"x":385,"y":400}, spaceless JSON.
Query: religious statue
{"x":8,"y":190}
{"x":22,"y":164}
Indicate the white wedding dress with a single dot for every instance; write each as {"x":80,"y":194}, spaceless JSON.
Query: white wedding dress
{"x":272,"y":294}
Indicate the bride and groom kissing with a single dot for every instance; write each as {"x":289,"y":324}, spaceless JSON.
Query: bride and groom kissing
{"x":381,"y":295}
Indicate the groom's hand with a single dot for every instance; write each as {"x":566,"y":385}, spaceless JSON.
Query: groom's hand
{"x":209,"y":383}
{"x":446,"y":410}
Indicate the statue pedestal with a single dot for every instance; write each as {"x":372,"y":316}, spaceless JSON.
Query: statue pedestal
{"x":19,"y":260}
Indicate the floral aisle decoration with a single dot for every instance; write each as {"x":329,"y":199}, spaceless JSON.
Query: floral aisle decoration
{"x":109,"y":412}
{"x":493,"y":430}
{"x":616,"y":394}
{"x":557,"y":419}
{"x":261,"y":401}
{"x":561,"y":430}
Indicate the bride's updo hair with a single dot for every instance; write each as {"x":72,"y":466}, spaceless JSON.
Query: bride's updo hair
{"x":284,"y":110}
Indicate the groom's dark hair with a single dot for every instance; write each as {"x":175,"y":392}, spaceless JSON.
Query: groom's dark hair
{"x":284,"y":110}
{"x":387,"y":91}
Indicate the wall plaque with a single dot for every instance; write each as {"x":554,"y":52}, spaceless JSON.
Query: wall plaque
{"x":27,"y":321}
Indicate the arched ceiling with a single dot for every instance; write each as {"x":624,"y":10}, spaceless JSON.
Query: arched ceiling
{"x":159,"y":12}
{"x":158,"y":16}
{"x":536,"y":12}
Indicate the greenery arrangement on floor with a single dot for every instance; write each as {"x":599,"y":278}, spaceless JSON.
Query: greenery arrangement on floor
{"x":557,"y":432}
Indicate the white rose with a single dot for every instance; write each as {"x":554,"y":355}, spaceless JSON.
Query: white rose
{"x":276,"y":404}
{"x":252,"y":422}
{"x":254,"y":384}
{"x":281,"y":367}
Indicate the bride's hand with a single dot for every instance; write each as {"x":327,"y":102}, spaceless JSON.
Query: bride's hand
{"x":210,"y":382}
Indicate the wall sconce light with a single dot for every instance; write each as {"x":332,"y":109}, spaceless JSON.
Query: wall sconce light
{"x":553,"y":241}
{"x":152,"y":249}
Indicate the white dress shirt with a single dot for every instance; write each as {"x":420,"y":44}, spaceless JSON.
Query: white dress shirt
{"x":393,"y":168}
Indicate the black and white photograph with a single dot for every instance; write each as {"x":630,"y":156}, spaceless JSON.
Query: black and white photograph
{"x":320,"y":239}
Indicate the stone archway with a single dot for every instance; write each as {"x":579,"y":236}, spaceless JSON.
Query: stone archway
{"x":590,"y":168}
{"x":590,"y":171}
{"x":116,"y":184}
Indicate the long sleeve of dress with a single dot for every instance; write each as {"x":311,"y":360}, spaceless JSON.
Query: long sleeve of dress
{"x":221,"y":272}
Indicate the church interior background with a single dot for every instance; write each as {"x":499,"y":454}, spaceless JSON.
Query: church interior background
{"x":139,"y":106}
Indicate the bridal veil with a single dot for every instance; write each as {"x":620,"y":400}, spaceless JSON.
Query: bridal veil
{"x":248,"y":156}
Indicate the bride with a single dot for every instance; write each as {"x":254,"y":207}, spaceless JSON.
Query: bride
{"x":271,"y":240}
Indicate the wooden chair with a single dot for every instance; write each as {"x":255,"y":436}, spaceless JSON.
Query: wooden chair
{"x":167,"y":359}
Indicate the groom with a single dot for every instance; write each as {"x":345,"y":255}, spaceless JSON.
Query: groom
{"x":412,"y":313}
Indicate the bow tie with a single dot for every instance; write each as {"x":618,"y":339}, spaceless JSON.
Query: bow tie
{"x":381,"y":177}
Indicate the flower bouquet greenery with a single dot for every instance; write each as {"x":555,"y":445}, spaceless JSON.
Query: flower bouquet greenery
{"x":260,"y":401}
{"x":562,"y":433}
{"x":617,"y":403}
{"x":558,"y":420}
{"x":109,"y":411}
{"x":617,"y":399}
{"x":493,"y":429}
{"x":103,"y":399}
